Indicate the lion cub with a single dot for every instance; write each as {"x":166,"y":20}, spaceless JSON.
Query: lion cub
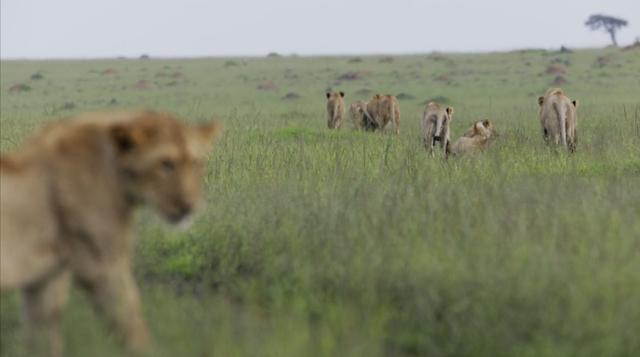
{"x":66,"y":212}
{"x":357,"y":112}
{"x":474,"y":139}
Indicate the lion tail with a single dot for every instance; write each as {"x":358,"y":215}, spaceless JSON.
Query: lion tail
{"x":562,"y":117}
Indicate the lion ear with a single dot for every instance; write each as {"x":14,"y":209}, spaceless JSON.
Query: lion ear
{"x":475,"y":128}
{"x":540,"y":101}
{"x":124,"y":138}
{"x":449,"y":111}
{"x":575,"y":103}
{"x":486,"y":123}
{"x":342,"y":94}
{"x":328,"y":95}
{"x":203,"y":136}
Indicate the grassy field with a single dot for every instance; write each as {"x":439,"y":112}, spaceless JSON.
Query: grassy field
{"x":342,"y":243}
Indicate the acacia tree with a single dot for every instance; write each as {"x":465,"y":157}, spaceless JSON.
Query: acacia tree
{"x":609,"y":23}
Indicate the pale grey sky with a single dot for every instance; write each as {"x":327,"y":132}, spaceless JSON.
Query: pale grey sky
{"x":109,"y":28}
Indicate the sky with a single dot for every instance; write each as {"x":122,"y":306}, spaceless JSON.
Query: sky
{"x":186,"y":28}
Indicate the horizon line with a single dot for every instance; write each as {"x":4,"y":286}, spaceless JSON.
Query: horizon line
{"x":294,"y":54}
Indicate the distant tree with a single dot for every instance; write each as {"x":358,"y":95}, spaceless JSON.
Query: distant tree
{"x":609,"y":23}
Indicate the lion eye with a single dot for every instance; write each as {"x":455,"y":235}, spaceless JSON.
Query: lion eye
{"x":167,"y":165}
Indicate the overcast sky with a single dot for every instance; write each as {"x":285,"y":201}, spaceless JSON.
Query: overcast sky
{"x":109,"y":28}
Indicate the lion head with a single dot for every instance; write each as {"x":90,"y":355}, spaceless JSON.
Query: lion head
{"x":161,"y":160}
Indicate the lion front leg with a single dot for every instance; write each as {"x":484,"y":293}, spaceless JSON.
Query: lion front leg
{"x":115,"y":295}
{"x":545,"y":135}
{"x":432,"y":148}
{"x":43,"y":304}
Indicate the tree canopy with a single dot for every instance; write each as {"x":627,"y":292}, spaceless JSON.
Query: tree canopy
{"x":609,"y":23}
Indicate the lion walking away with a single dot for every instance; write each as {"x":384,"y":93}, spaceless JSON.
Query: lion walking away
{"x":335,"y":109}
{"x":559,"y":118}
{"x":435,"y":127}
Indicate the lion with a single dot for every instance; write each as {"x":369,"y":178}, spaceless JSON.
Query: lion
{"x":475,"y":139}
{"x":435,"y":126}
{"x":382,"y":111}
{"x":472,"y":131}
{"x":357,"y":113}
{"x":335,"y":109}
{"x":559,"y":118}
{"x":68,"y":195}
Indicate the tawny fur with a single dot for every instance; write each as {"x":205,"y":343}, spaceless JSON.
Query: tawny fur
{"x":335,"y":109}
{"x":357,"y":113}
{"x":475,"y":139}
{"x":435,"y":127}
{"x":559,"y":118}
{"x":66,"y":213}
{"x":472,"y":131}
{"x":383,"y":111}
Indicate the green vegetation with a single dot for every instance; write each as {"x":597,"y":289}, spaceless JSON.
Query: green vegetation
{"x":343,"y":243}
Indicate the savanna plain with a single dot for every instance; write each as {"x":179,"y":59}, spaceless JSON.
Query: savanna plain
{"x":318,"y":242}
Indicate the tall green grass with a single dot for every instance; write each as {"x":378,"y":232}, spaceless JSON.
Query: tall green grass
{"x":342,"y":243}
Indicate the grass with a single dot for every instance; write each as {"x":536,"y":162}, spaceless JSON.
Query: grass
{"x":343,"y":243}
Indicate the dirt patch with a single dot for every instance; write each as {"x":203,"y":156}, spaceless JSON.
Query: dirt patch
{"x":291,"y":96}
{"x":353,"y":75}
{"x":68,"y":106}
{"x":19,"y":88}
{"x":562,"y":61}
{"x":364,"y":92}
{"x":109,"y":72}
{"x":231,"y":63}
{"x":405,"y":96}
{"x":443,"y":78}
{"x":437,"y":57}
{"x":289,"y":74}
{"x":267,"y":86}
{"x":143,"y":84}
{"x":602,"y":61}
{"x":559,"y":80}
{"x":556,"y":69}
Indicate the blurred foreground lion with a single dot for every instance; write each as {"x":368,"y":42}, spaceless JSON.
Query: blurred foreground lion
{"x":66,"y":213}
